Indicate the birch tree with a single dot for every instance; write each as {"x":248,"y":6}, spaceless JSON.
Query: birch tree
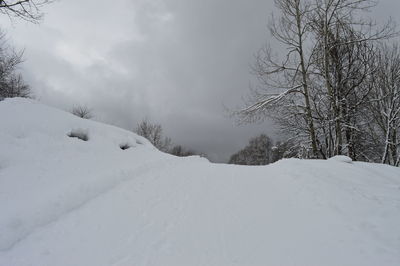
{"x":288,"y":75}
{"x":345,"y":48}
{"x":384,"y":106}
{"x":318,"y":91}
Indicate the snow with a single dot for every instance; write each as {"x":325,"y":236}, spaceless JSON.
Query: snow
{"x":64,"y":201}
{"x":341,"y":158}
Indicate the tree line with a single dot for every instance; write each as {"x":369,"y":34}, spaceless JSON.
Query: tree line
{"x":335,"y":90}
{"x":262,"y":150}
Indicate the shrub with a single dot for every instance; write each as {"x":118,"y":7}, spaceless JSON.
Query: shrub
{"x":82,"y":111}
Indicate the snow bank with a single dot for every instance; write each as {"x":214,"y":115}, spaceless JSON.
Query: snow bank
{"x":341,"y":158}
{"x":44,"y":172}
{"x":64,"y":201}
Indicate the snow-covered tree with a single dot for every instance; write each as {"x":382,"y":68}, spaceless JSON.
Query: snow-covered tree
{"x":286,"y":78}
{"x":343,"y":55}
{"x":318,"y":90}
{"x":384,"y":107}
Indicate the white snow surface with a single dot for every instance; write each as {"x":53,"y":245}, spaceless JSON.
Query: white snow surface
{"x":341,"y":158}
{"x":64,"y":201}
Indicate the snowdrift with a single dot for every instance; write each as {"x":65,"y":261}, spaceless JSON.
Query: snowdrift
{"x":66,"y":201}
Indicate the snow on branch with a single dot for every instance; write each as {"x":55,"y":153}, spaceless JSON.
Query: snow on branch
{"x":270,"y":99}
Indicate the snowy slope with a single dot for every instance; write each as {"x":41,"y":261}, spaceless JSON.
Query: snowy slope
{"x":64,"y":201}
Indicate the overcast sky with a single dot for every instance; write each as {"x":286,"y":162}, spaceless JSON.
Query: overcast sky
{"x":176,"y":62}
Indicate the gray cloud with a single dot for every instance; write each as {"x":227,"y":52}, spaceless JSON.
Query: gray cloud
{"x":176,"y":62}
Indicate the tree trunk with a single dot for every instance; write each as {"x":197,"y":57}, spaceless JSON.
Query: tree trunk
{"x":309,"y":117}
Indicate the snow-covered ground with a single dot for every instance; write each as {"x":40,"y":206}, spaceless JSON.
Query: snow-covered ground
{"x":64,"y":201}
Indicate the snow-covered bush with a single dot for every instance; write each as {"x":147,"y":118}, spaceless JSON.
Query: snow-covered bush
{"x":125,"y":146}
{"x":80,"y":134}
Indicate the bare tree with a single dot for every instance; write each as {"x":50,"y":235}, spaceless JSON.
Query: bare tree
{"x":318,"y":90}
{"x":153,"y":132}
{"x":82,"y":111}
{"x":384,"y":106}
{"x":344,"y":41}
{"x":288,"y":75}
{"x":11,"y":82}
{"x":29,"y":10}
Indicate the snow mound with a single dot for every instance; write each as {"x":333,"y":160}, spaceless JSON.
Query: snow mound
{"x":44,"y":161}
{"x":64,"y":201}
{"x":341,"y":158}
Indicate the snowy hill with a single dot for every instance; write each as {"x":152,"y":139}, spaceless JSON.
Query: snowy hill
{"x":65,"y":201}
